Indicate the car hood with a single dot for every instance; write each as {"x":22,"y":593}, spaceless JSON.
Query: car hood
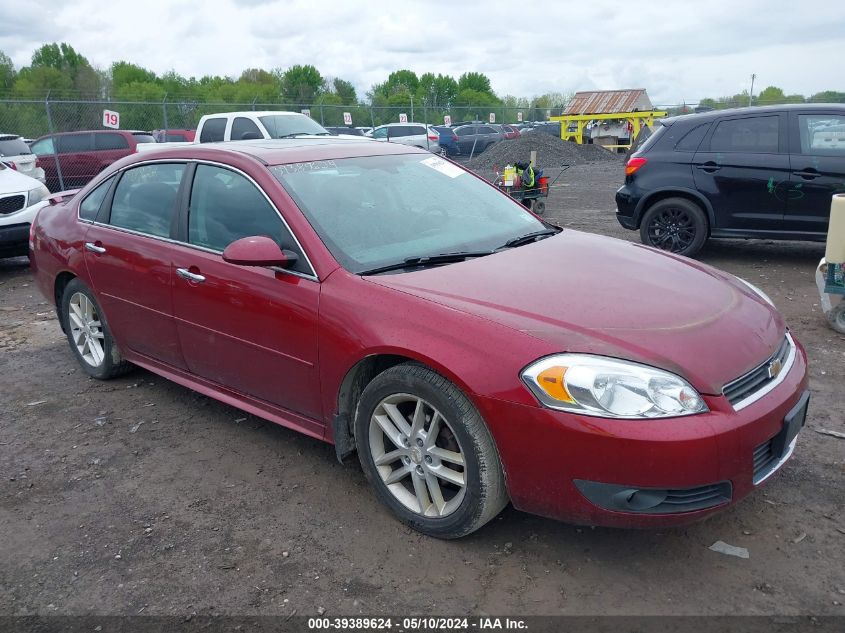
{"x":12,"y":181}
{"x":593,"y":294}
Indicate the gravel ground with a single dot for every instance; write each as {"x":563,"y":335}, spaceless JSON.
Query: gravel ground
{"x":551,"y":153}
{"x":137,"y":495}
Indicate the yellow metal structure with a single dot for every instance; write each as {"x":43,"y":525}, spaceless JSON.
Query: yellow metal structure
{"x":579,"y":121}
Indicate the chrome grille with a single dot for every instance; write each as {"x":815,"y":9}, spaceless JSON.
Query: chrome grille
{"x":748,"y":387}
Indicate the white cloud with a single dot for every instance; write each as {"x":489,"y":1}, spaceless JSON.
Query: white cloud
{"x":679,"y":52}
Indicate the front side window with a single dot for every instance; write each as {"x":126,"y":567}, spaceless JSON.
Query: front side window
{"x":757,"y":135}
{"x":213,"y":130}
{"x":110,"y":140}
{"x":225,"y":206}
{"x":465,"y":131}
{"x":74,"y":143}
{"x":91,"y":205}
{"x":145,"y":198}
{"x":380,"y":132}
{"x":243,"y":128}
{"x":380,"y":210}
{"x":822,"y":134}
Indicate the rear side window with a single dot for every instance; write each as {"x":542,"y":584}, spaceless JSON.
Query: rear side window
{"x":758,"y":135}
{"x":242,"y":126}
{"x":465,"y":131}
{"x":213,"y":131}
{"x":143,"y":137}
{"x":822,"y":134}
{"x":110,"y":140}
{"x":145,"y":198}
{"x":693,"y":138}
{"x":13,"y":146}
{"x":94,"y":200}
{"x":72,"y":143}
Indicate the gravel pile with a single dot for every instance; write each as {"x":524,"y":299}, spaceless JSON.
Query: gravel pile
{"x":551,"y":152}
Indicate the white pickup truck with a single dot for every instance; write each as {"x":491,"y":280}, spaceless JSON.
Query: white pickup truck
{"x":241,"y":126}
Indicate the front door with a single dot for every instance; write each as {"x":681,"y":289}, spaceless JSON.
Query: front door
{"x":128,"y":257}
{"x":251,"y":329}
{"x":817,"y":157}
{"x":743,"y":169}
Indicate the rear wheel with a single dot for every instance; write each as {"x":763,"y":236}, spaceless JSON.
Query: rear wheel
{"x":427,"y":452}
{"x":836,"y":317}
{"x":677,"y":225}
{"x":539,"y":207}
{"x":88,"y":333}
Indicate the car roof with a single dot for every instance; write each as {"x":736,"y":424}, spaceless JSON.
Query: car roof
{"x":716,"y":114}
{"x":408,"y":123}
{"x":95,"y":132}
{"x":281,"y":151}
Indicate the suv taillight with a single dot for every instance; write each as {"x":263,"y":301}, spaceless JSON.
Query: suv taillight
{"x":433,"y":137}
{"x":634,"y":165}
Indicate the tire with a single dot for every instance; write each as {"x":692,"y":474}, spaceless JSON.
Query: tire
{"x":836,"y":317}
{"x":88,"y":333}
{"x":470,"y":494}
{"x":539,"y":207}
{"x":677,"y":225}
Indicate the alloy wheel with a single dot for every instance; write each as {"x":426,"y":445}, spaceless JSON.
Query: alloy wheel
{"x":672,"y":230}
{"x":417,"y":455}
{"x":86,"y":329}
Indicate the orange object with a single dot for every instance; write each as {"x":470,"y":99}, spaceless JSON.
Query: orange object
{"x":543,"y":182}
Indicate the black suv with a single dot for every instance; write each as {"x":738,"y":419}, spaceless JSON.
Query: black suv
{"x":763,"y":172}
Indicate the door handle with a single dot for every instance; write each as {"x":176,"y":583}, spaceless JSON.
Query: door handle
{"x":807,"y":174}
{"x":184,"y":273}
{"x":90,"y":246}
{"x":709,"y":167}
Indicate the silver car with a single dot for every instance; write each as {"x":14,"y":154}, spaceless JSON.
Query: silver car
{"x":416,"y":134}
{"x":16,"y":153}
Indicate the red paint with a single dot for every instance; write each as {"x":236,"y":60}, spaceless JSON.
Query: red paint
{"x":279,"y":345}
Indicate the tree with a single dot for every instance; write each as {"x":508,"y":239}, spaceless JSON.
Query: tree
{"x":301,"y":84}
{"x":7,"y":73}
{"x":123,"y":73}
{"x":402,"y":81}
{"x":437,"y":91}
{"x":770,"y":95}
{"x":474,"y":81}
{"x":828,"y":96}
{"x":345,"y":90}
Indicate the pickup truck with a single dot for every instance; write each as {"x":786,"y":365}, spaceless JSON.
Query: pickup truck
{"x":241,"y":126}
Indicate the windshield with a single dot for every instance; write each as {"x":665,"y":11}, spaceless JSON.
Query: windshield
{"x":380,"y":210}
{"x":13,"y":146}
{"x":282,"y":125}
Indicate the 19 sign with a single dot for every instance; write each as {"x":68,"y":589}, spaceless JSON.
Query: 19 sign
{"x":111,"y":119}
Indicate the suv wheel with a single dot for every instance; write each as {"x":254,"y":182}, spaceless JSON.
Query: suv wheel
{"x":677,"y":225}
{"x":427,"y":453}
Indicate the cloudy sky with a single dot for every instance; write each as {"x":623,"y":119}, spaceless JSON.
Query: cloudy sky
{"x":680,"y":51}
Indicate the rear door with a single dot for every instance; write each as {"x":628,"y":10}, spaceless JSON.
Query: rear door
{"x":817,"y":158}
{"x":466,"y":138}
{"x":251,"y":329}
{"x":742,"y":167}
{"x":109,"y":147}
{"x":128,"y":256}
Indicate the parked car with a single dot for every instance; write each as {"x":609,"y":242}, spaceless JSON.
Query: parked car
{"x":765,"y":172}
{"x":386,"y":300}
{"x":83,"y":155}
{"x":174,"y":136}
{"x":414,"y":134}
{"x":511,"y":132}
{"x":448,"y":140}
{"x":475,"y":138}
{"x":21,"y":197}
{"x":15,"y":152}
{"x":364,"y":129}
{"x":345,"y":130}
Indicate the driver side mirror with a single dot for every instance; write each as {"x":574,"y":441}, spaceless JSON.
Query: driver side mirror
{"x":258,"y":250}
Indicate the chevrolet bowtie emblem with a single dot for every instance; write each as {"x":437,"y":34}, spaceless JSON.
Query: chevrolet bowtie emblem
{"x":774,"y":368}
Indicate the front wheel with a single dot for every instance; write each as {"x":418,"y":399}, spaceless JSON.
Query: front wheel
{"x":539,"y":207}
{"x":427,"y":453}
{"x":836,"y":317}
{"x":677,"y":225}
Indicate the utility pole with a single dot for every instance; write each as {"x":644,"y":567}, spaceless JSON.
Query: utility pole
{"x":751,"y":94}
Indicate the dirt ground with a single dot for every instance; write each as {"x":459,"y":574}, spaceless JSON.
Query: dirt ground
{"x":140,"y":496}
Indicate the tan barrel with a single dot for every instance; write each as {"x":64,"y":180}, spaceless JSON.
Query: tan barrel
{"x":835,"y":252}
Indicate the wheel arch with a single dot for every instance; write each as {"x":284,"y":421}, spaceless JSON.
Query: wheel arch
{"x":688,"y":194}
{"x":59,"y":285}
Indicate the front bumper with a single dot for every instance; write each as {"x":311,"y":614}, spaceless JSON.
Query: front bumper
{"x":14,"y":239}
{"x":548,"y":454}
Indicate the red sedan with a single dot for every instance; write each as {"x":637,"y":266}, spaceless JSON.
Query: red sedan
{"x":385,"y":300}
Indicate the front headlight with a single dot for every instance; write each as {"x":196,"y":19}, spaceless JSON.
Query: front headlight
{"x":610,"y":388}
{"x":37,"y":195}
{"x":757,"y":291}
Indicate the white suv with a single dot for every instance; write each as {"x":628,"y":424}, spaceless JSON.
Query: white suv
{"x":416,"y":134}
{"x":21,"y":197}
{"x":16,"y":153}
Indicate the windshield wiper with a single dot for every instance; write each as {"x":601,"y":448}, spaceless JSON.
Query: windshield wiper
{"x":295,"y":134}
{"x":529,"y":237}
{"x":427,"y":260}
